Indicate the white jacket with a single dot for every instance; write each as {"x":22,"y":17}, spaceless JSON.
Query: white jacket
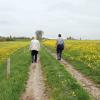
{"x":34,"y":45}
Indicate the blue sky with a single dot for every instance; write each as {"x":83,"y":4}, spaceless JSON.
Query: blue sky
{"x":78,"y":18}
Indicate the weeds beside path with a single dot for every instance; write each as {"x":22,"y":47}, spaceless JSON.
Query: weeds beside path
{"x":84,"y":81}
{"x":11,"y":88}
{"x":60,"y":84}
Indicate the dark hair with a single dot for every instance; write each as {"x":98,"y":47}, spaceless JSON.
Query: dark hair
{"x":59,"y":35}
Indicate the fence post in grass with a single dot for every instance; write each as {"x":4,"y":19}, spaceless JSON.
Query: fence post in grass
{"x":8,"y":67}
{"x":24,"y":50}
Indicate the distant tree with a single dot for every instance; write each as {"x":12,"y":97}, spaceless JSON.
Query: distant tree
{"x":10,"y":37}
{"x":39,"y":34}
{"x":69,"y":38}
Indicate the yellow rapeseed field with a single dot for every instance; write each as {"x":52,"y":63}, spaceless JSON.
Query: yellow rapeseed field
{"x":87,"y":51}
{"x":7,"y":48}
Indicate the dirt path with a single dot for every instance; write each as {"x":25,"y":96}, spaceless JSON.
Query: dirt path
{"x":35,"y":89}
{"x":83,"y":81}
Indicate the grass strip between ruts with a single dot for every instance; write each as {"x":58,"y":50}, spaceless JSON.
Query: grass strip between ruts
{"x":62,"y":86}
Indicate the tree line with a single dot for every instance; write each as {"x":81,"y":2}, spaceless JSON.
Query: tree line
{"x":10,"y":38}
{"x":38,"y":33}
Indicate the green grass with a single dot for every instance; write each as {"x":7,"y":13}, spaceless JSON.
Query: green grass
{"x":61,"y":85}
{"x":84,"y":56}
{"x":94,"y":75}
{"x":12,"y":88}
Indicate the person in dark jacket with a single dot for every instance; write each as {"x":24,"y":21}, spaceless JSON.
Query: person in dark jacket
{"x":59,"y":46}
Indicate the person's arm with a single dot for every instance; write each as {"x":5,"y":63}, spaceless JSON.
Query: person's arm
{"x":56,"y":42}
{"x":30,"y":46}
{"x":63,"y":42}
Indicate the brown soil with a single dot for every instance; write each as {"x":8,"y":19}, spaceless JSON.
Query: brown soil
{"x":35,"y":89}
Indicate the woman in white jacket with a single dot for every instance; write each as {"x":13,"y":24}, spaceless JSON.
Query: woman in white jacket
{"x":34,"y":48}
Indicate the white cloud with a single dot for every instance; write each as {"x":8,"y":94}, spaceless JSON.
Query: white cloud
{"x":79,"y":18}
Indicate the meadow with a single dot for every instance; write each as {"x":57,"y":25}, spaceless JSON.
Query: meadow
{"x":13,"y":87}
{"x":60,"y":84}
{"x":84,"y":55}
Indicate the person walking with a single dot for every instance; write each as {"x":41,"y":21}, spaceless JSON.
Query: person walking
{"x":59,"y":46}
{"x":34,"y":48}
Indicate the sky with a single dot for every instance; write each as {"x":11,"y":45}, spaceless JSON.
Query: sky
{"x":76,"y":18}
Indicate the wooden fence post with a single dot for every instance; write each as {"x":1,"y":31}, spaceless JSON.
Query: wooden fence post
{"x":8,"y":68}
{"x":24,"y":50}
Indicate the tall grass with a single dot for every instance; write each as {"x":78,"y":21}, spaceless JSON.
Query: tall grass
{"x":62,"y":86}
{"x":83,"y":55}
{"x":11,"y":89}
